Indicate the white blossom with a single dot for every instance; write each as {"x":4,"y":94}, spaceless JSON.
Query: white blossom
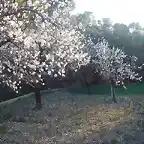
{"x":112,"y":63}
{"x":55,"y":75}
{"x":43,"y":44}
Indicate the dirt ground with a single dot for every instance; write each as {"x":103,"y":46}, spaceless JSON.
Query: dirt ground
{"x":73,"y":119}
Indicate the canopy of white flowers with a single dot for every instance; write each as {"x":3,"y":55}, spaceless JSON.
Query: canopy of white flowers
{"x":37,"y":39}
{"x":112,"y":63}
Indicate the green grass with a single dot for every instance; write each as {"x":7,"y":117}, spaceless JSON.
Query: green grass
{"x":3,"y":129}
{"x":132,"y":89}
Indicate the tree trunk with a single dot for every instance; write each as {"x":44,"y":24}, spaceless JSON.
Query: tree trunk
{"x":113,"y":93}
{"x":87,"y":85}
{"x":88,"y":88}
{"x":37,"y":98}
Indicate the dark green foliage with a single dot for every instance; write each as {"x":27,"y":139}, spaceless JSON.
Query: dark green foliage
{"x":128,"y":37}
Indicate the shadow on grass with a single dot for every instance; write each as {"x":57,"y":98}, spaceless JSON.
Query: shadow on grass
{"x":94,"y":121}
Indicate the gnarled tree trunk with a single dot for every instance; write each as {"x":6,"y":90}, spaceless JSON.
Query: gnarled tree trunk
{"x":113,"y":92}
{"x":37,"y":86}
{"x":37,"y":98}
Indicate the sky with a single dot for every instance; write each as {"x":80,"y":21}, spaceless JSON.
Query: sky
{"x":123,"y":11}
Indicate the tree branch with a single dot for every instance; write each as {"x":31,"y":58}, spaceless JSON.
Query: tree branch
{"x":28,"y":9}
{"x":4,"y":42}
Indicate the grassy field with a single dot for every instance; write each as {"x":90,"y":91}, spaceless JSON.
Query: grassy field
{"x":73,"y":119}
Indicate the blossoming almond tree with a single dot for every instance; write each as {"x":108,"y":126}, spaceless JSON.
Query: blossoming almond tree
{"x":113,"y":65}
{"x":34,"y":43}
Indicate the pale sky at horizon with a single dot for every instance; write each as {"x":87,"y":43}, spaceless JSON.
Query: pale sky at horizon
{"x":123,"y":11}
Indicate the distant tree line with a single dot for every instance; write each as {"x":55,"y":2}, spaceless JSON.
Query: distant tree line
{"x":128,"y":37}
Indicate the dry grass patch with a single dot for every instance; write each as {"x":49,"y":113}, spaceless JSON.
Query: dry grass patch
{"x":103,"y":118}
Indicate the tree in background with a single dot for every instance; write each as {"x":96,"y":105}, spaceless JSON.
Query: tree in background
{"x":129,"y":38}
{"x":113,"y":65}
{"x":35,"y":42}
